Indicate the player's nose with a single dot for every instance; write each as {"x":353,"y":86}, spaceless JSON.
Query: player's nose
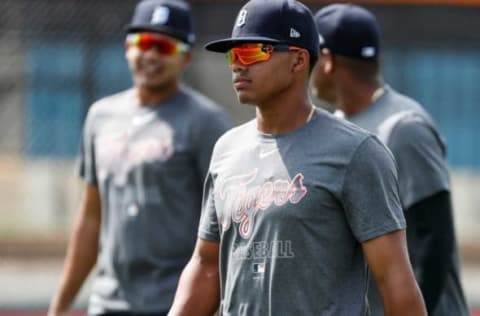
{"x":237,"y":66}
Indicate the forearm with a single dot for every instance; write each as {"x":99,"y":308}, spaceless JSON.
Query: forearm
{"x":401,"y":296}
{"x":198,"y":292}
{"x":80,"y":259}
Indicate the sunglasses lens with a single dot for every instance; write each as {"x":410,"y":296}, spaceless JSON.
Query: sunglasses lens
{"x":231,"y":56}
{"x":248,"y":54}
{"x":146,"y":41}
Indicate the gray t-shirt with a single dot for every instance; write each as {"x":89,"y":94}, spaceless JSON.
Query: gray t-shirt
{"x":411,"y":135}
{"x":149,"y":163}
{"x":290,"y":212}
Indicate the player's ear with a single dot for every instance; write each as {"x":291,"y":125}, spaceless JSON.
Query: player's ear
{"x":326,"y":60}
{"x":301,"y":61}
{"x":187,"y":58}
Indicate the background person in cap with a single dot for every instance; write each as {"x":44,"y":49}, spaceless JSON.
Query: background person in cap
{"x":145,"y":156}
{"x":285,"y":227}
{"x":348,"y":75}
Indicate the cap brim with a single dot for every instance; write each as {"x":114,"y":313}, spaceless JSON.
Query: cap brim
{"x":224,"y":45}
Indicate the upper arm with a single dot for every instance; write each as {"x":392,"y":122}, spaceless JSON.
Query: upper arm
{"x":198,"y":291}
{"x":370,"y":192}
{"x":90,"y":208}
{"x":418,"y":150}
{"x":387,"y":254}
{"x":206,"y":253}
{"x":388,"y":260}
{"x":87,"y":157}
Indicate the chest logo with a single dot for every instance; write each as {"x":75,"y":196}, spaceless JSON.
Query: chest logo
{"x":242,"y":199}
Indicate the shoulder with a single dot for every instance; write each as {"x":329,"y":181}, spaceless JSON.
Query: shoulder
{"x":404,"y":103}
{"x":400,"y":98}
{"x":200,"y":103}
{"x":236,"y":137}
{"x":345,"y":143}
{"x":242,"y":131}
{"x":413,"y":129}
{"x":109,"y":103}
{"x":347,"y":135}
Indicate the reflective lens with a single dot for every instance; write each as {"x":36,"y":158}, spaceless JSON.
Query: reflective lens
{"x":248,"y":54}
{"x":162,"y":44}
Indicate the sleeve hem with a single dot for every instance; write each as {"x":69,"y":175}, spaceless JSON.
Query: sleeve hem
{"x":374,"y":233}
{"x":205,"y":235}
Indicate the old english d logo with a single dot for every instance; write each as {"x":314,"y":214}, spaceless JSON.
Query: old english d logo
{"x":242,"y":18}
{"x":160,"y":15}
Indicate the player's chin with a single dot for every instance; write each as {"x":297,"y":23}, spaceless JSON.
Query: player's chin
{"x":244,"y":97}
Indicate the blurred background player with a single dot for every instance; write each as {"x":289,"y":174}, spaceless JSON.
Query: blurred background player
{"x":287,"y":223}
{"x":144,"y":158}
{"x":348,"y":76}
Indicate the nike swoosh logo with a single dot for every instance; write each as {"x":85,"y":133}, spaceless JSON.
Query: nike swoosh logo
{"x":266,"y":153}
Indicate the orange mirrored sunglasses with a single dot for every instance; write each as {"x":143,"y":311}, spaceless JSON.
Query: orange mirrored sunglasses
{"x":162,"y":44}
{"x":251,"y":53}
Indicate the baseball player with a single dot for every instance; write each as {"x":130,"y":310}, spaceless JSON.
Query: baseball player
{"x":144,"y":158}
{"x":296,"y":201}
{"x":348,"y":76}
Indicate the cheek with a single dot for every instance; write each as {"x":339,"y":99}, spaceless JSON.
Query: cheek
{"x":132,"y":56}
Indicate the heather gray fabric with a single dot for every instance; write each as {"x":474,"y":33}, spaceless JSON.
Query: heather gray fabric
{"x":290,"y":212}
{"x":149,"y":164}
{"x":411,"y":135}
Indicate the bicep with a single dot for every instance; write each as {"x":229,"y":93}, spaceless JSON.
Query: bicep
{"x":419,"y":152}
{"x":387,"y":257}
{"x":90,"y":207}
{"x":207,"y":252}
{"x":387,"y":254}
{"x":370,"y":192}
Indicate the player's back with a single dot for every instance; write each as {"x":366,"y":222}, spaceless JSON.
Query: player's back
{"x":419,"y":150}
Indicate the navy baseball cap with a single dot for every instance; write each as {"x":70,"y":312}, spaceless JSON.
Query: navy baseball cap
{"x":170,"y":17}
{"x":348,"y":30}
{"x":272,"y":21}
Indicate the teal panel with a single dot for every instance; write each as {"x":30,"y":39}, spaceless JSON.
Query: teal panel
{"x":446,"y":82}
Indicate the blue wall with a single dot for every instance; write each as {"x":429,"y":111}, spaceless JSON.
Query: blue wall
{"x":447,"y":84}
{"x":63,"y":82}
{"x":59,"y":79}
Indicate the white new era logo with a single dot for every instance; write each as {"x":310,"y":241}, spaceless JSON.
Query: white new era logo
{"x":321,"y":40}
{"x":294,"y":33}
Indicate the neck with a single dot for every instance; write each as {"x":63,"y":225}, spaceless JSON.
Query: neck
{"x":356,"y":97}
{"x":284,"y":115}
{"x":149,"y":96}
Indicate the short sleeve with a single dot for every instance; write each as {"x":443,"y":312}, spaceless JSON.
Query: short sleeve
{"x":209,"y":224}
{"x":206,"y":133}
{"x":87,"y":165}
{"x":370,"y":192}
{"x":419,"y":153}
